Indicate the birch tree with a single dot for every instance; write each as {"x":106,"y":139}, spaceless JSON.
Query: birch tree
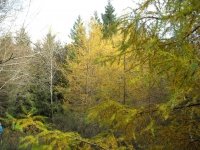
{"x":50,"y":47}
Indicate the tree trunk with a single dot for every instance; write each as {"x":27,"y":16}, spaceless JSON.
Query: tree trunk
{"x":124,"y":81}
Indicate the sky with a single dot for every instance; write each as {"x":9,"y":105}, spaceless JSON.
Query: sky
{"x":40,"y":16}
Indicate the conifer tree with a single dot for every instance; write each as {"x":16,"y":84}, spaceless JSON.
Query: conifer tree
{"x":96,"y":17}
{"x":109,"y":21}
{"x":78,"y":33}
{"x":22,"y":37}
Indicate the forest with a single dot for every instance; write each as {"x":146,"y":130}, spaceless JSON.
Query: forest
{"x":128,"y":82}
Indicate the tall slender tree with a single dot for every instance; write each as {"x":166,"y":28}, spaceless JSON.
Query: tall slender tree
{"x":50,"y":47}
{"x":78,"y":32}
{"x":109,"y":21}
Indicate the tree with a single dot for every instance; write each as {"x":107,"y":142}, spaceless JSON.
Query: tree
{"x":7,"y":9}
{"x":22,"y":38}
{"x":160,"y":48}
{"x":96,"y":17}
{"x":78,"y":33}
{"x":90,"y":75}
{"x":161,"y":40}
{"x":109,"y":21}
{"x":7,"y":45}
{"x":15,"y":73}
{"x":46,"y":70}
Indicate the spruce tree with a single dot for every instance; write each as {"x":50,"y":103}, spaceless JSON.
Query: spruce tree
{"x":78,"y":33}
{"x":109,"y":21}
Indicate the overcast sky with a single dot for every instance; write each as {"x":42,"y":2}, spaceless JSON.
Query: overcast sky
{"x":59,"y":15}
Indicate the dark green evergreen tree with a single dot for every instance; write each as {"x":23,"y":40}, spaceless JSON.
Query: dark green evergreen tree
{"x":78,"y":33}
{"x":78,"y":37}
{"x":109,"y":21}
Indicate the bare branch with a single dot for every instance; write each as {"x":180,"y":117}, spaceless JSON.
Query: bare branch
{"x":8,"y":59}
